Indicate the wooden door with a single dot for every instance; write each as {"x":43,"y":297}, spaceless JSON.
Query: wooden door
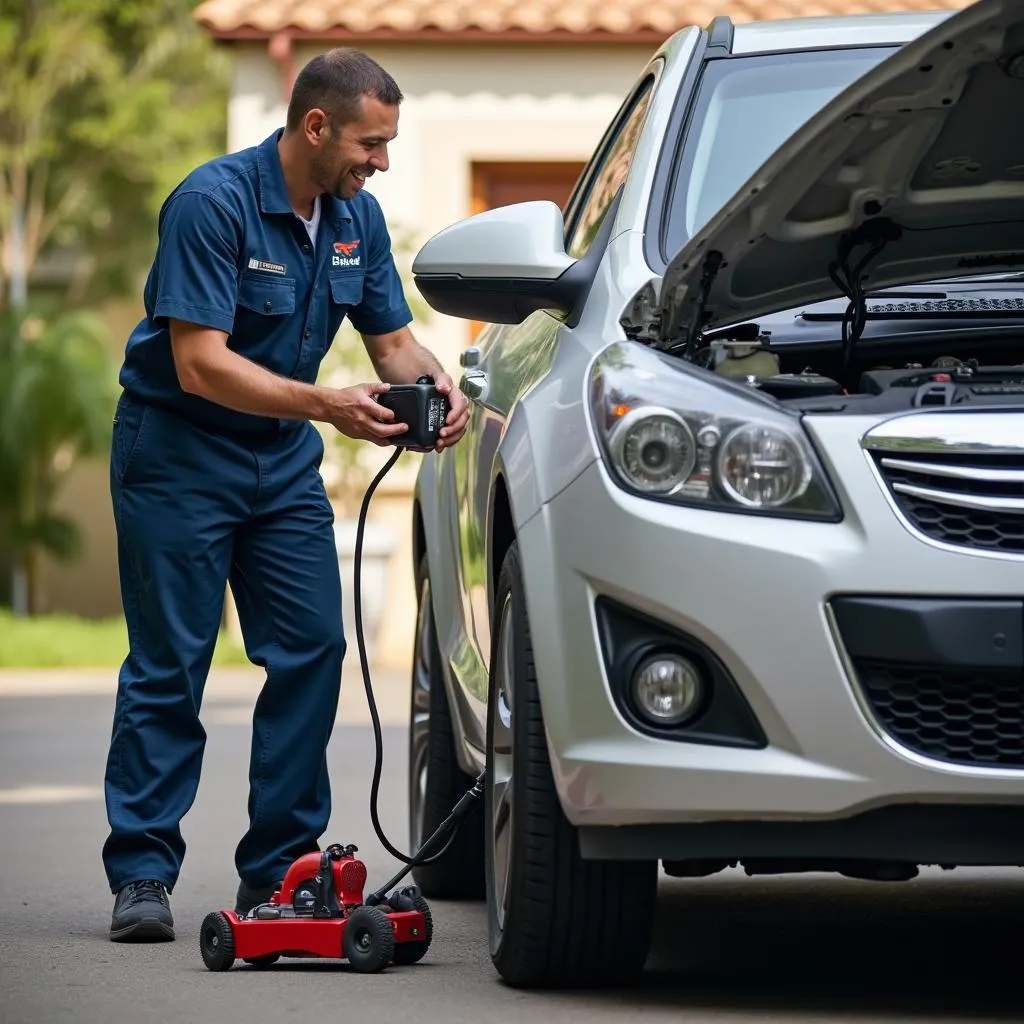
{"x":502,"y":183}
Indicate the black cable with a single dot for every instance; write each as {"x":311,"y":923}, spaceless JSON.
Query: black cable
{"x":876,"y":234}
{"x":452,"y":821}
{"x":850,"y":282}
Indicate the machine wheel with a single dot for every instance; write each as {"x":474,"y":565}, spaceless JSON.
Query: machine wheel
{"x":436,"y":782}
{"x":413,"y":952}
{"x":217,"y":941}
{"x":260,"y":962}
{"x":554,"y":919}
{"x":368,"y":941}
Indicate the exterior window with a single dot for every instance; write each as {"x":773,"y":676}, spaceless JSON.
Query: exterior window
{"x":609,"y":174}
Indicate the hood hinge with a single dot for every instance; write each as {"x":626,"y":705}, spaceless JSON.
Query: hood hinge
{"x":642,"y":319}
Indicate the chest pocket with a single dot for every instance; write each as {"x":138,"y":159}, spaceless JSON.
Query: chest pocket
{"x":267,"y":294}
{"x":347,"y":288}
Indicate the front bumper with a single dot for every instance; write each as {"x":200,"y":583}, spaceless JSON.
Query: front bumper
{"x":760,"y":594}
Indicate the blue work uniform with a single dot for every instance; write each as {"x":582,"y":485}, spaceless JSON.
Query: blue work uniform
{"x":203,"y":494}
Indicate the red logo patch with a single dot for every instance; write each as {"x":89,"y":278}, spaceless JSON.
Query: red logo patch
{"x":346,"y":247}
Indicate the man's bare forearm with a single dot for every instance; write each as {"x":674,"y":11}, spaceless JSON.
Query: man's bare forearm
{"x":399,"y":358}
{"x":208,"y":368}
{"x":238,"y":383}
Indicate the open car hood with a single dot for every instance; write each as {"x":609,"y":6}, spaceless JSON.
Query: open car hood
{"x":923,"y":155}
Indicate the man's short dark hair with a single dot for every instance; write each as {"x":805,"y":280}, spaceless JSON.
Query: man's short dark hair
{"x":336,"y":81}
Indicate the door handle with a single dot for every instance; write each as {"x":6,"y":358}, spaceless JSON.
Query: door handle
{"x":474,"y":385}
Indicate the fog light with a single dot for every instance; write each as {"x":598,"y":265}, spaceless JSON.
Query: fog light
{"x":668,"y":688}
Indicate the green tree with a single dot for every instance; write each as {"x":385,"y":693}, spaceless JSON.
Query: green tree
{"x":105,"y":105}
{"x":56,"y":401}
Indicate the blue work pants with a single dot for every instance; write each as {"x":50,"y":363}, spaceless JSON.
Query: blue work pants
{"x":193,"y":510}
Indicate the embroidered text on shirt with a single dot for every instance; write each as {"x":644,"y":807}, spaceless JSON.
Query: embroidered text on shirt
{"x":273,"y":268}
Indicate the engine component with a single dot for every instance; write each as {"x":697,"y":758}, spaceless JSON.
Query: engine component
{"x":742,"y":359}
{"x":877,"y":382}
{"x":799,"y":385}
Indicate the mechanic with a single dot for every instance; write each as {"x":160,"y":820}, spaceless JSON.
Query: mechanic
{"x":215,"y":474}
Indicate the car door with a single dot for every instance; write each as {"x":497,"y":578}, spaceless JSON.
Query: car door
{"x":495,"y":378}
{"x":467,"y":659}
{"x":506,"y":362}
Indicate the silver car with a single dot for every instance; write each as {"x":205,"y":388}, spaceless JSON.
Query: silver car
{"x":728,"y":569}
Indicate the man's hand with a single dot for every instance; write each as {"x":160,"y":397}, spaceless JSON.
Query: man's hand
{"x":356,"y":413}
{"x":399,"y":357}
{"x":458,"y":412}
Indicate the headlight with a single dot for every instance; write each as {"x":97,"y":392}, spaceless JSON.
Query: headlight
{"x":655,"y":448}
{"x":691,"y":437}
{"x":762,"y":467}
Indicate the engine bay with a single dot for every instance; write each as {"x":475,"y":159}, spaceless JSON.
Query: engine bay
{"x":811,"y":381}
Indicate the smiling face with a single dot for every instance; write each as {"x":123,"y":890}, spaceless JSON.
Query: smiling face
{"x":346,"y":154}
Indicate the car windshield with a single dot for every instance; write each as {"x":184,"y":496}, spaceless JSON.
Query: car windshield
{"x":746,"y":108}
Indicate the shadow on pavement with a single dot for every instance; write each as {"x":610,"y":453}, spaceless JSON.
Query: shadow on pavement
{"x":939,"y":948}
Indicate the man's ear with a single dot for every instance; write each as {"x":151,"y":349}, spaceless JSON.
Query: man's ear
{"x":317,"y":126}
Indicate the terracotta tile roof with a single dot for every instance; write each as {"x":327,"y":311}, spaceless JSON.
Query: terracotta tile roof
{"x":519,"y":18}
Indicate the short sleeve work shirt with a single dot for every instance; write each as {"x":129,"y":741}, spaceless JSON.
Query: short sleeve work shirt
{"x":233,"y":255}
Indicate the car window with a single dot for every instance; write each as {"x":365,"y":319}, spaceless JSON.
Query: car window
{"x":609,"y":174}
{"x":746,"y":108}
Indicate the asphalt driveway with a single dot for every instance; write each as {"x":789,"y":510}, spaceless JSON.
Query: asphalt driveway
{"x":730,"y":948}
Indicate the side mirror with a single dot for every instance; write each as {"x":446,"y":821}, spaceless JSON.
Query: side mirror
{"x":502,"y":265}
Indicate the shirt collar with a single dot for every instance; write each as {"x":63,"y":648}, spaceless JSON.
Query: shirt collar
{"x":274,"y":194}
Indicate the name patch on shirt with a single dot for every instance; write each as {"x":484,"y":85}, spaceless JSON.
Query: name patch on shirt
{"x":343,"y":254}
{"x":271,"y":268}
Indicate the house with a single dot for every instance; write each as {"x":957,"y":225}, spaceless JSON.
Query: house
{"x":505,"y":99}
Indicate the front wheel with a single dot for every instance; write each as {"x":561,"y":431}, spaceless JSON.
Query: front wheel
{"x":554,"y":919}
{"x":217,"y":941}
{"x":368,"y":941}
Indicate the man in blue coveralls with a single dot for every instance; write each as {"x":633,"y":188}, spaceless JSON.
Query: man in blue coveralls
{"x":215,"y":474}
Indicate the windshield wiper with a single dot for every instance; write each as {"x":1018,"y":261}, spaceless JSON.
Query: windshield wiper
{"x":895,"y":293}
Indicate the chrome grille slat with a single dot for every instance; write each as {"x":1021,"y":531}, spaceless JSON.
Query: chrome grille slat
{"x":956,"y":479}
{"x":991,"y":503}
{"x":957,"y":472}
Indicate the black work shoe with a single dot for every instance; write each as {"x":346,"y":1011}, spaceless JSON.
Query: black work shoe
{"x":249,"y":897}
{"x":142,"y":913}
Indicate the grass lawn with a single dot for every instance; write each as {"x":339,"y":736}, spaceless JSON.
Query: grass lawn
{"x":64,"y":641}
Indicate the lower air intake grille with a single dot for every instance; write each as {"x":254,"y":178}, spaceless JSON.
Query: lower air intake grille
{"x":963,"y":716}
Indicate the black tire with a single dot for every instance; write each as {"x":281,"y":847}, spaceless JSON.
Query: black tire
{"x":217,"y":941}
{"x":459,"y":874}
{"x":262,"y":962}
{"x":413,"y":952}
{"x":368,"y":941}
{"x":567,"y":921}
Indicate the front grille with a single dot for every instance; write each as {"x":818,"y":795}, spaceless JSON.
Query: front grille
{"x":971,"y":501}
{"x":964,"y":716}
